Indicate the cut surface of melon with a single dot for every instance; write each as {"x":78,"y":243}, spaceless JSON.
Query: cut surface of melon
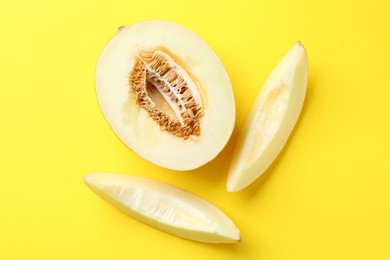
{"x":166,"y":94}
{"x":271,"y":120}
{"x":164,"y":207}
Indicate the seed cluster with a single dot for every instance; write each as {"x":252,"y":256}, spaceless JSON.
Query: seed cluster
{"x":158,"y":69}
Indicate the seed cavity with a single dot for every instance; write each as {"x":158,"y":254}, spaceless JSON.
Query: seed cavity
{"x":157,"y":69}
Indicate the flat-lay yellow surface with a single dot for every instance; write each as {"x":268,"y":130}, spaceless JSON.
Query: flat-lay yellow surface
{"x":327,"y":196}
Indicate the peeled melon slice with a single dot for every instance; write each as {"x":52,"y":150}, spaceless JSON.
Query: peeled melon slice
{"x":165,"y":207}
{"x":166,"y":94}
{"x":271,"y":120}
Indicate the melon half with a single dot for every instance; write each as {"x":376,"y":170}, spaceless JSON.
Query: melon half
{"x":166,"y":94}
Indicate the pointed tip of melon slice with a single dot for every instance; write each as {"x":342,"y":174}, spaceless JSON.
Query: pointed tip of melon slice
{"x":271,"y":120}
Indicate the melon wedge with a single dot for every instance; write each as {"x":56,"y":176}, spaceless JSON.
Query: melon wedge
{"x":164,"y":207}
{"x":271,"y":120}
{"x":166,"y":94}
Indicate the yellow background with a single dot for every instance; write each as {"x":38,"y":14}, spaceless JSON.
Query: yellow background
{"x":326,"y":197}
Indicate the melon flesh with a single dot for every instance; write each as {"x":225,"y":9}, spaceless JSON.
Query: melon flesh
{"x":271,"y":120}
{"x":164,"y":207}
{"x":132,"y":123}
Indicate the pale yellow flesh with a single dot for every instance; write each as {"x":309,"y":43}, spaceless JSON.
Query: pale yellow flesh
{"x":164,"y":207}
{"x":271,"y":119}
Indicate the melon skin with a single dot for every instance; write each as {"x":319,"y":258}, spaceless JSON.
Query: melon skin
{"x":132,"y":124}
{"x":271,"y":119}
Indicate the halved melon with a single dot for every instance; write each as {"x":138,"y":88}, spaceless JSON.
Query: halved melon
{"x":166,"y":94}
{"x":164,"y":207}
{"x":271,"y":120}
